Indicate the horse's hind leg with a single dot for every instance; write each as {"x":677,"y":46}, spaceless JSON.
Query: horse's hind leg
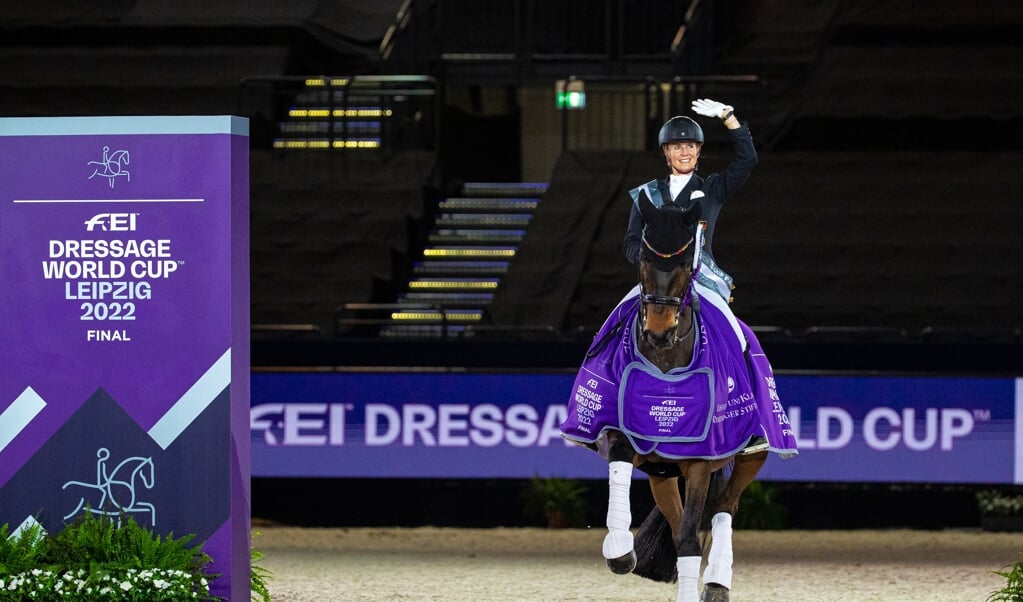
{"x":618,"y":543}
{"x":669,"y":500}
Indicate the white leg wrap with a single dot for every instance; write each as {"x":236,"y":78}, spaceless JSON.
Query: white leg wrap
{"x":617,"y":543}
{"x":719,"y":560}
{"x":619,"y":479}
{"x":619,"y":539}
{"x":688,"y":576}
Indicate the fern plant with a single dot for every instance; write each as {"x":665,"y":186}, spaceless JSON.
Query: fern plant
{"x":22,"y":553}
{"x":96,"y":558}
{"x":93,"y":539}
{"x":1013,"y":590}
{"x":101,"y":558}
{"x":260,"y":574}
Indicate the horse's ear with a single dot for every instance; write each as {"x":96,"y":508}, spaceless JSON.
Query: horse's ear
{"x":692,"y":216}
{"x":646,"y":207}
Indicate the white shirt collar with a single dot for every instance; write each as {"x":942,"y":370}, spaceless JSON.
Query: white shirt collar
{"x":677,"y":182}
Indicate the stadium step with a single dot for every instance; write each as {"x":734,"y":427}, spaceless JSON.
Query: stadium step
{"x":348,"y":112}
{"x":475,"y":236}
{"x":468,"y":251}
{"x":453,"y":268}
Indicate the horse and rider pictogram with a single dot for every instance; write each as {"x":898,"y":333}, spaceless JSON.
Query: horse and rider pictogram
{"x":114,"y":493}
{"x":112,"y":165}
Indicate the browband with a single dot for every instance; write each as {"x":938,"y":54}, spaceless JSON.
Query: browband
{"x":666,"y":255}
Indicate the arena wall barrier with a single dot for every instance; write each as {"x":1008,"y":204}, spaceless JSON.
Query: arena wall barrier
{"x":484,"y":425}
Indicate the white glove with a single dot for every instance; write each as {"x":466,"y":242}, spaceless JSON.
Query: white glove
{"x":711,"y":108}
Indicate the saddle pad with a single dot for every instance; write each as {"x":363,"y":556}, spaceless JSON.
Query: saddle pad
{"x":666,"y":407}
{"x":713,"y":407}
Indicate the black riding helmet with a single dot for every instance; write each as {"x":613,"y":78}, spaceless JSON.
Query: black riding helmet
{"x":680,"y":128}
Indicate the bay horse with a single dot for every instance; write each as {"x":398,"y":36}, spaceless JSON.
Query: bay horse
{"x":683,"y":395}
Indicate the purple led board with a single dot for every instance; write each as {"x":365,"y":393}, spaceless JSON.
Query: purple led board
{"x":485,"y":425}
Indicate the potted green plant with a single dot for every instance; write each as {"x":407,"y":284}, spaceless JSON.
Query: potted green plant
{"x":1000,"y":510}
{"x":559,"y":502}
{"x":758,"y":509}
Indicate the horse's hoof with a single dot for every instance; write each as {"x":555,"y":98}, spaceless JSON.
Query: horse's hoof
{"x":622,"y":565}
{"x":712,"y":592}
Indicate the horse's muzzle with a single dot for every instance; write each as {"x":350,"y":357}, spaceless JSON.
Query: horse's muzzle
{"x":662,"y":340}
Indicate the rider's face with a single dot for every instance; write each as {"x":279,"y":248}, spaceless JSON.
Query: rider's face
{"x":681,"y":156}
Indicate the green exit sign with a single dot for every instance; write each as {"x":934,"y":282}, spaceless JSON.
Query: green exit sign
{"x":570,"y":94}
{"x":572,"y":100}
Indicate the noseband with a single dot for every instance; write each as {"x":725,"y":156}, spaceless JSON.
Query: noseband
{"x":677,"y":302}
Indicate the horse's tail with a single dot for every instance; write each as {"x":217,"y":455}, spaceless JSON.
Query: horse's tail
{"x":656,"y":554}
{"x":655,"y":550}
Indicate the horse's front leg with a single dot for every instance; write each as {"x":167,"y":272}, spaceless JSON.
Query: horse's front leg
{"x":618,"y":543}
{"x":687,"y":544}
{"x":717,"y":578}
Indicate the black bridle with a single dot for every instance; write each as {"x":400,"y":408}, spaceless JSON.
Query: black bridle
{"x":670,"y":300}
{"x":679,"y":302}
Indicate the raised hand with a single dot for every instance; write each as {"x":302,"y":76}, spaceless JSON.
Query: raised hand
{"x":711,"y":108}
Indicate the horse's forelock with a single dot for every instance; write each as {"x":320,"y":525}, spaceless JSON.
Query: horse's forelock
{"x":666,"y":235}
{"x":667,"y":264}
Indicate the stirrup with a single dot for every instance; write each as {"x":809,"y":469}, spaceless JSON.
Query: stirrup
{"x":756,"y":444}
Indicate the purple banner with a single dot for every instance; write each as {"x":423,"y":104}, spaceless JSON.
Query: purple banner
{"x":468,"y":425}
{"x":124,"y":246}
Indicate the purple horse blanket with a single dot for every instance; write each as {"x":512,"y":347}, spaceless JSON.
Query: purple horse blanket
{"x":709,"y":409}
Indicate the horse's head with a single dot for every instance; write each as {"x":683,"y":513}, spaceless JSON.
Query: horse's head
{"x":666,"y":269}
{"x":146,"y":472}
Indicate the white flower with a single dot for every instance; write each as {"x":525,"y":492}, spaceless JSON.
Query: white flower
{"x":161,"y":584}
{"x":125,"y":586}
